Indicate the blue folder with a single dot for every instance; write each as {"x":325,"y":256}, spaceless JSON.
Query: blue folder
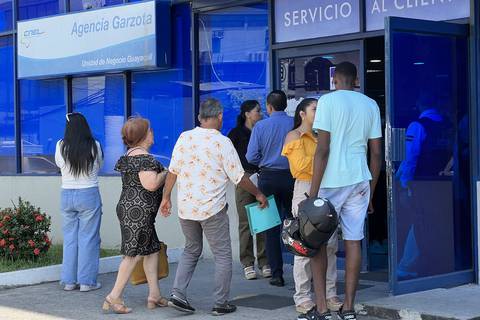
{"x":259,"y":219}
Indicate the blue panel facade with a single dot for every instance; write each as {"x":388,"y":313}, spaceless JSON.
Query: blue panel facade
{"x":234,"y":57}
{"x":168,"y":106}
{"x":7,"y":122}
{"x":43,"y":108}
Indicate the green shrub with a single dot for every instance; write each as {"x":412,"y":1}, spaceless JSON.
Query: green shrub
{"x":24,"y":232}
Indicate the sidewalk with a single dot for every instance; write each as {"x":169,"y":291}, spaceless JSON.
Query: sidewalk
{"x":461,"y":303}
{"x":255,"y":299}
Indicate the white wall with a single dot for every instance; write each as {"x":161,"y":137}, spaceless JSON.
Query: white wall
{"x":44,"y":192}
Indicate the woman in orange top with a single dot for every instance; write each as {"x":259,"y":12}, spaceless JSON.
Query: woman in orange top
{"x":299,"y":148}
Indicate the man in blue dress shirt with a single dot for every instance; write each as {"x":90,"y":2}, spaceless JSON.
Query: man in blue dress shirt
{"x":264,"y":150}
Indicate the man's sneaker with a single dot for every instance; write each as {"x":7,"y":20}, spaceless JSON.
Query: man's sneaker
{"x":314,"y":315}
{"x":250,"y":273}
{"x":347,"y":315}
{"x":180,"y":304}
{"x":86,"y":288}
{"x":221,"y":309}
{"x":70,"y":287}
{"x":266,"y":272}
{"x":334,"y":303}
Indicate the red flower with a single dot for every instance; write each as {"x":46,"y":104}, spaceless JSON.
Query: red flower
{"x":11,"y":239}
{"x":1,"y":224}
{"x":47,"y":240}
{"x":12,"y":247}
{"x":36,"y":251}
{"x":31,"y":243}
{"x":5,"y":232}
{"x":38,"y":218}
{"x":2,"y":243}
{"x":7,"y":217}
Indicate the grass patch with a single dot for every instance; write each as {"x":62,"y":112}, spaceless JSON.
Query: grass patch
{"x":54,"y":256}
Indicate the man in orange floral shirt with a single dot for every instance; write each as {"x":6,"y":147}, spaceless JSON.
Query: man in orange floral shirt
{"x":202,"y":164}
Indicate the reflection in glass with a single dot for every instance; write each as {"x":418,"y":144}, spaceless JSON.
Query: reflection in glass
{"x":311,"y":76}
{"x":101,"y":100}
{"x":431,"y":189}
{"x":165,"y":97}
{"x":234,"y":57}
{"x":80,"y":5}
{"x":6,"y":17}
{"x":29,"y":9}
{"x":42,"y":105}
{"x":7,"y":115}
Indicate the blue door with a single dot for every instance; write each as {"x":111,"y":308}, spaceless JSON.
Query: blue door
{"x":428,"y":155}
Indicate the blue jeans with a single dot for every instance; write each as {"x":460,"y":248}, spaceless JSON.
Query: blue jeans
{"x":82,"y":214}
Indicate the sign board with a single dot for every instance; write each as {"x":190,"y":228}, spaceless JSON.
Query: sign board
{"x":307,"y":19}
{"x":116,"y":38}
{"x":436,"y":10}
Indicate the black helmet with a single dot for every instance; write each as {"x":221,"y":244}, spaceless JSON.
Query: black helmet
{"x":318,"y":220}
{"x":292,"y":240}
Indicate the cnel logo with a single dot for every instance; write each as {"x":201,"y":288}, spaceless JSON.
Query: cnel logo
{"x":27,"y":34}
{"x":32,"y":33}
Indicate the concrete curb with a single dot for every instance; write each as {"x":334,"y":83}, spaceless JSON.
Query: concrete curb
{"x":52,"y":273}
{"x":402,"y":314}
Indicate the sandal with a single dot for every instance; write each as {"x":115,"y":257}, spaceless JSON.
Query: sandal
{"x":115,"y":305}
{"x":347,"y":315}
{"x":152,"y":303}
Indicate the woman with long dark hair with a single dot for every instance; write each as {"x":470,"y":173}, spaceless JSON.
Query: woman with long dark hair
{"x":250,"y":113}
{"x":79,"y":157}
{"x":299,"y":148}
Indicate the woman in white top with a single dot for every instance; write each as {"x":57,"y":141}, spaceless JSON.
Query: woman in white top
{"x":79,"y":157}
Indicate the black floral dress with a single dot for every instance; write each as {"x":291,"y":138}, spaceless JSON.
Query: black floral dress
{"x":138,"y":207}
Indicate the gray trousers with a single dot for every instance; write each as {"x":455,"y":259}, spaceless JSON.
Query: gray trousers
{"x":217,"y":232}
{"x":247,"y":256}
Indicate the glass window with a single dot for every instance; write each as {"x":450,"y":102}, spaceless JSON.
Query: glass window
{"x":80,"y":5}
{"x":7,"y":115}
{"x":42,"y":105}
{"x":101,"y":100}
{"x":165,"y":97}
{"x":234,"y":57}
{"x":6,"y":17}
{"x":29,"y":9}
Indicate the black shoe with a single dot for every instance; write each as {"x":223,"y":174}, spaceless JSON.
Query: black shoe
{"x":277,"y":281}
{"x":347,"y":315}
{"x":180,"y":304}
{"x":314,"y":315}
{"x":221,"y":309}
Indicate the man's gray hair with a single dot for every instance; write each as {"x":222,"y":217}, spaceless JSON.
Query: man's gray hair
{"x":210,"y":108}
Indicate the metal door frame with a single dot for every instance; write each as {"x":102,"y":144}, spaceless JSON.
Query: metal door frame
{"x":424,"y":283}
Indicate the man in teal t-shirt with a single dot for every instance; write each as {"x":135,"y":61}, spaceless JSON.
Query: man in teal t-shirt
{"x":348,"y":124}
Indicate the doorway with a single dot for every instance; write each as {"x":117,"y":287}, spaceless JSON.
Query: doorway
{"x":420,"y":234}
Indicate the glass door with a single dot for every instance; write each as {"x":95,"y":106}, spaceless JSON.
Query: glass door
{"x":428,"y":155}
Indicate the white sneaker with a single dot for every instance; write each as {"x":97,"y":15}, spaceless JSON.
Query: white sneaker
{"x":86,"y":288}
{"x":266,"y":272}
{"x":70,"y":287}
{"x":250,"y":273}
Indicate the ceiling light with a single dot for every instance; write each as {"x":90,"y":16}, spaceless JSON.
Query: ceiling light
{"x":375,"y":61}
